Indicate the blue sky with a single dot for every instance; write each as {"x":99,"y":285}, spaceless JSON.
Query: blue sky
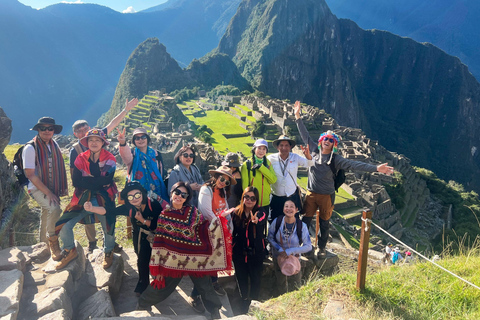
{"x":118,"y":5}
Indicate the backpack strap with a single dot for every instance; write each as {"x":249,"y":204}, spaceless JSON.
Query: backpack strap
{"x":77,"y":148}
{"x":277,"y":225}
{"x":332,"y":166}
{"x":299,"y":230}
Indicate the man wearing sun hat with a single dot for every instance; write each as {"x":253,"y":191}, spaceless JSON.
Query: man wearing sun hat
{"x":44,"y":167}
{"x":285,"y":164}
{"x":321,"y":187}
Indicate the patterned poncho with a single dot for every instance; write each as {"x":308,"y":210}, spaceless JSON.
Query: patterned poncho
{"x":187,"y":244}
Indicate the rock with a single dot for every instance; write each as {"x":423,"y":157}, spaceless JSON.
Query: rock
{"x":56,"y":315}
{"x":37,"y":253}
{"x":98,"y":305}
{"x":6,"y":132}
{"x":11,"y":287}
{"x":12,"y":258}
{"x":99,"y":277}
{"x":75,"y":267}
{"x":52,"y":300}
{"x":34,"y":278}
{"x":62,"y":279}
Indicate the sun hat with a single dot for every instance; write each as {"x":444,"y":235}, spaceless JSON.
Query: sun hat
{"x":283,"y":138}
{"x":94,"y":133}
{"x":289,"y":265}
{"x":48,"y":121}
{"x":260,"y":142}
{"x":232,"y":160}
{"x":140,"y":131}
{"x":226,"y":171}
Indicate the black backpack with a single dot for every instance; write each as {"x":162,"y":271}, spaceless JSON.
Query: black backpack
{"x":18,"y":165}
{"x":299,"y":228}
{"x":338,"y":176}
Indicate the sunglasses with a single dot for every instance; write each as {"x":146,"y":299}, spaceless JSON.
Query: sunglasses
{"x":46,"y":129}
{"x":248,"y":198}
{"x":137,"y":195}
{"x":186,"y":155}
{"x":143,"y":137}
{"x":225,"y":181}
{"x":180,"y":193}
{"x":329,"y":139}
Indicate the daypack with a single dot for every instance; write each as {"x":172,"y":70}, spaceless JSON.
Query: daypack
{"x":18,"y":165}
{"x":338,"y":176}
{"x":394,"y":257}
{"x":299,"y":228}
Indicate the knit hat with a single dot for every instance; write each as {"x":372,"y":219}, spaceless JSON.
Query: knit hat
{"x":329,"y":135}
{"x":94,"y":133}
{"x":48,"y":121}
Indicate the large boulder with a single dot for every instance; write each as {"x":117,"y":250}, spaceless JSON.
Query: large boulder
{"x":12,"y":258}
{"x":51,"y":300}
{"x":60,"y":314}
{"x":98,"y":305}
{"x":11,"y":286}
{"x":38,"y":252}
{"x":99,"y":277}
{"x":5,"y":130}
{"x":75,"y":267}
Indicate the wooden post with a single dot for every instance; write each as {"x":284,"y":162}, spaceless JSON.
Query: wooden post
{"x":129,"y":228}
{"x":11,"y":238}
{"x":363,"y":252}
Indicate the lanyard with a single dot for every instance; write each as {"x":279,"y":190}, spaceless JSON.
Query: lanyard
{"x":283,"y":165}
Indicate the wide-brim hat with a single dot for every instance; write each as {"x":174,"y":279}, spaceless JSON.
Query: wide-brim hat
{"x":232,"y":160}
{"x":94,"y":133}
{"x":48,"y":121}
{"x":283,"y":138}
{"x":226,"y":171}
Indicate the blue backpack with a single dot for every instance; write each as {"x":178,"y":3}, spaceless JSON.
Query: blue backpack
{"x":394,"y":257}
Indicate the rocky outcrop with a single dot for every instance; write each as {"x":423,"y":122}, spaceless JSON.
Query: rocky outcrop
{"x":409,"y":96}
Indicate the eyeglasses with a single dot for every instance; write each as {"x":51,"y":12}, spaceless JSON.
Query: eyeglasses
{"x":137,"y":195}
{"x":81,"y":130}
{"x":186,"y":155}
{"x":329,"y":139}
{"x":46,"y":129}
{"x":225,"y":181}
{"x":178,"y":192}
{"x":142,"y":137}
{"x":248,"y":198}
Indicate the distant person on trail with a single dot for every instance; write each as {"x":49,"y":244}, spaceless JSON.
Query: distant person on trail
{"x":80,"y":129}
{"x":93,"y":181}
{"x":144,"y":164}
{"x":408,"y":257}
{"x":232,"y":160}
{"x":388,"y":252}
{"x":321,"y":187}
{"x":258,"y":172}
{"x":185,"y":170}
{"x":396,"y":256}
{"x":285,"y":164}
{"x":45,"y":169}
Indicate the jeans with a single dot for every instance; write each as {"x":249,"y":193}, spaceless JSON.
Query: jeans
{"x":49,"y":216}
{"x":66,"y":234}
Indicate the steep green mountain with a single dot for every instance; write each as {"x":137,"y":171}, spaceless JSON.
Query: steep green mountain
{"x":65,"y":60}
{"x":451,"y":25}
{"x":412,"y":97}
{"x":150,"y":67}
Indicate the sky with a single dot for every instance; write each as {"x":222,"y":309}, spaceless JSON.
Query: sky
{"x":125,"y":6}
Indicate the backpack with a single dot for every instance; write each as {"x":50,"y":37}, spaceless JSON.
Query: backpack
{"x":394,"y":257}
{"x":338,"y":176}
{"x":18,"y":165}
{"x":299,"y":228}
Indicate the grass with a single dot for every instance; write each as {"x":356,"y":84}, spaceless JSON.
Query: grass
{"x":10,"y":151}
{"x":417,"y":291}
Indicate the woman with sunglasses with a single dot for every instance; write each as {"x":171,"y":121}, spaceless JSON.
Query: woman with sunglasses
{"x":185,"y":170}
{"x":144,"y":163}
{"x":249,"y":223}
{"x":212,"y":200}
{"x":187,"y":244}
{"x":143,"y":212}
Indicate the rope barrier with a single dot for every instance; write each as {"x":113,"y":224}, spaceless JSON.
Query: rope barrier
{"x":421,"y":255}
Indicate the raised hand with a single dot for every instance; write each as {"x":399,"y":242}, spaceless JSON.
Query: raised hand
{"x":121,"y":136}
{"x":384,"y":168}
{"x":306,"y":152}
{"x":129,"y":105}
{"x":255,"y":218}
{"x":297,"y":109}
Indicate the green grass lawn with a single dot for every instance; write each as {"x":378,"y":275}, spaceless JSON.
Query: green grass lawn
{"x":10,"y":150}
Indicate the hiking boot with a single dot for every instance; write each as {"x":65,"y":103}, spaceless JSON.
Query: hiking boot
{"x":218,"y":289}
{"x":322,"y":253}
{"x":107,"y":260}
{"x":118,"y":248}
{"x":197,"y":304}
{"x":67,"y":256}
{"x":55,"y":248}
{"x":92,"y":245}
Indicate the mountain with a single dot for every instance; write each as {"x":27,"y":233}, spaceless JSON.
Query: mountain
{"x":65,"y":60}
{"x":150,"y":67}
{"x":451,"y":25}
{"x":414,"y":98}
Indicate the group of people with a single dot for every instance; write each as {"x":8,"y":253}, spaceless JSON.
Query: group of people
{"x":186,"y":226}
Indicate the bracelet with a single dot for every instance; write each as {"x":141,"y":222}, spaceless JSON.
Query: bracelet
{"x":145,"y":222}
{"x":124,"y":144}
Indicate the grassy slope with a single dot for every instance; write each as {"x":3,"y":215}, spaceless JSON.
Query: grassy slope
{"x":414,"y":292}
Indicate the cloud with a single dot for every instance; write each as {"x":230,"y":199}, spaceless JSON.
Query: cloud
{"x":128,"y":10}
{"x":77,"y":1}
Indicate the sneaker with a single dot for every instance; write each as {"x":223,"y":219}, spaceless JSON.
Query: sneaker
{"x":67,"y":256}
{"x":322,"y":253}
{"x":218,"y":289}
{"x":118,"y":248}
{"x":197,"y":304}
{"x":92,"y":246}
{"x":108,"y":260}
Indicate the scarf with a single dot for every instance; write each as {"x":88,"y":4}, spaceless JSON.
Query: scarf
{"x":54,"y":177}
{"x":186,"y":243}
{"x":192,"y":176}
{"x":145,"y":170}
{"x":105,"y":197}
